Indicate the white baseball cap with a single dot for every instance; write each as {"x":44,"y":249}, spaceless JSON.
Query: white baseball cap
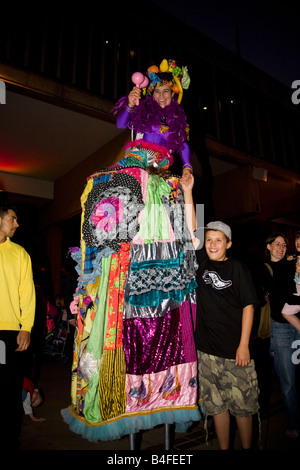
{"x":220,"y":226}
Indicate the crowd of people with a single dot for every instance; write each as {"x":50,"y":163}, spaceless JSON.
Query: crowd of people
{"x":165,"y":328}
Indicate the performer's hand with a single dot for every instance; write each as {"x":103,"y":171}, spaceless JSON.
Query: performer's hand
{"x":134,"y":95}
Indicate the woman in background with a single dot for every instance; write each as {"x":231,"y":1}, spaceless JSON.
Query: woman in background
{"x":280,"y":286}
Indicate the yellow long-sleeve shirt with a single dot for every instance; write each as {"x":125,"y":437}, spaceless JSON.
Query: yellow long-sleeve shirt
{"x":17,"y":291}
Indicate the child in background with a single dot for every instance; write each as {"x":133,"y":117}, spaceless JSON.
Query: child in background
{"x":32,"y":398}
{"x":290,"y":310}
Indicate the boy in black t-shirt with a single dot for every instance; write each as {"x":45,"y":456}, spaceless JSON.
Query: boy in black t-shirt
{"x":225,"y":306}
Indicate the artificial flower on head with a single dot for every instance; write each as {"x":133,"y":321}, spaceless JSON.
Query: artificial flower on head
{"x":186,"y":80}
{"x":169,"y":73}
{"x":153,"y":79}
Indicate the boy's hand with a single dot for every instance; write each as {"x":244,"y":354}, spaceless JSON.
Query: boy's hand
{"x":242,"y":357}
{"x":187,"y":181}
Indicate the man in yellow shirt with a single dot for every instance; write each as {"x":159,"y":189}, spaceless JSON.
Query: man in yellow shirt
{"x":17,"y":310}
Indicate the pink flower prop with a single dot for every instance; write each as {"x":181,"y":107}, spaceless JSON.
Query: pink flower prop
{"x":108,"y":213}
{"x":74,"y":305}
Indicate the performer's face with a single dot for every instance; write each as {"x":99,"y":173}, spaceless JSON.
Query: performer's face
{"x":163,"y":95}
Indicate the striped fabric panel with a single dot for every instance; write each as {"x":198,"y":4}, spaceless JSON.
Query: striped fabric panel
{"x":112,"y":393}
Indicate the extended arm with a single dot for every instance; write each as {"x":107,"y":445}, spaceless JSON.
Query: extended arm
{"x":123,"y":118}
{"x":187,"y":183}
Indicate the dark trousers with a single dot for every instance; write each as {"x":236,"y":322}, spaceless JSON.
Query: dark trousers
{"x":11,"y":384}
{"x":263,"y":366}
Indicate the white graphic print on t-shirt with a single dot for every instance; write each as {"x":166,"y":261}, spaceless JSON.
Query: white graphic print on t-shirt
{"x":211,"y":277}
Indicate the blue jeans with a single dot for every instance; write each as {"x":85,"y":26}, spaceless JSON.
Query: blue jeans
{"x":282,"y":337}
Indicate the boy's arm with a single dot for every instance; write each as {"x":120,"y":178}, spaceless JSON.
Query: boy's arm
{"x":187,"y":183}
{"x":243,"y":353}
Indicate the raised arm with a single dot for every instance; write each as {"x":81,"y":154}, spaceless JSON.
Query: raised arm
{"x":123,"y":118}
{"x":187,"y":183}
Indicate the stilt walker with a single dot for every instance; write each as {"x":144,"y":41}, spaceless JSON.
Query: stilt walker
{"x":135,"y":364}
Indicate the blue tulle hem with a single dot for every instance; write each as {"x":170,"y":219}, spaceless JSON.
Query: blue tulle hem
{"x":183,"y":419}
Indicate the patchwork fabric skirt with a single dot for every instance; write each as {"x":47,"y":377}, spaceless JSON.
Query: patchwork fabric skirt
{"x":135,"y":363}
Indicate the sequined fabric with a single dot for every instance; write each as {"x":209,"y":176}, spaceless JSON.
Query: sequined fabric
{"x":135,"y":362}
{"x":153,"y":344}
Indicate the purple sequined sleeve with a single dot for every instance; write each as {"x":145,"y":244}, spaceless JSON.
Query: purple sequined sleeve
{"x":123,"y":119}
{"x":185,"y":154}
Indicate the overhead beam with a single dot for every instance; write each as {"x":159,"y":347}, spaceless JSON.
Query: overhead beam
{"x":27,"y":186}
{"x":51,"y":91}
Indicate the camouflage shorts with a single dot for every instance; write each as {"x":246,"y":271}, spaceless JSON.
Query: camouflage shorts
{"x":225,"y":386}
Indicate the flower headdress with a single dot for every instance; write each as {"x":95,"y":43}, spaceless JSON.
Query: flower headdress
{"x":169,"y":73}
{"x":149,"y":113}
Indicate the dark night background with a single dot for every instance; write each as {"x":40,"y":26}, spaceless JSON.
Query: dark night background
{"x":266,"y":33}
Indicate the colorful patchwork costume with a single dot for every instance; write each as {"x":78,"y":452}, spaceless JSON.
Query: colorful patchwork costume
{"x":135,"y":363}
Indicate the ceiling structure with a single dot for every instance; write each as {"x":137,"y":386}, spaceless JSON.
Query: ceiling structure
{"x":41,"y":141}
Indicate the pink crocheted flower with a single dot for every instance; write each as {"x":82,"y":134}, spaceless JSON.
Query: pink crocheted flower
{"x":74,"y":305}
{"x":108,"y":213}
